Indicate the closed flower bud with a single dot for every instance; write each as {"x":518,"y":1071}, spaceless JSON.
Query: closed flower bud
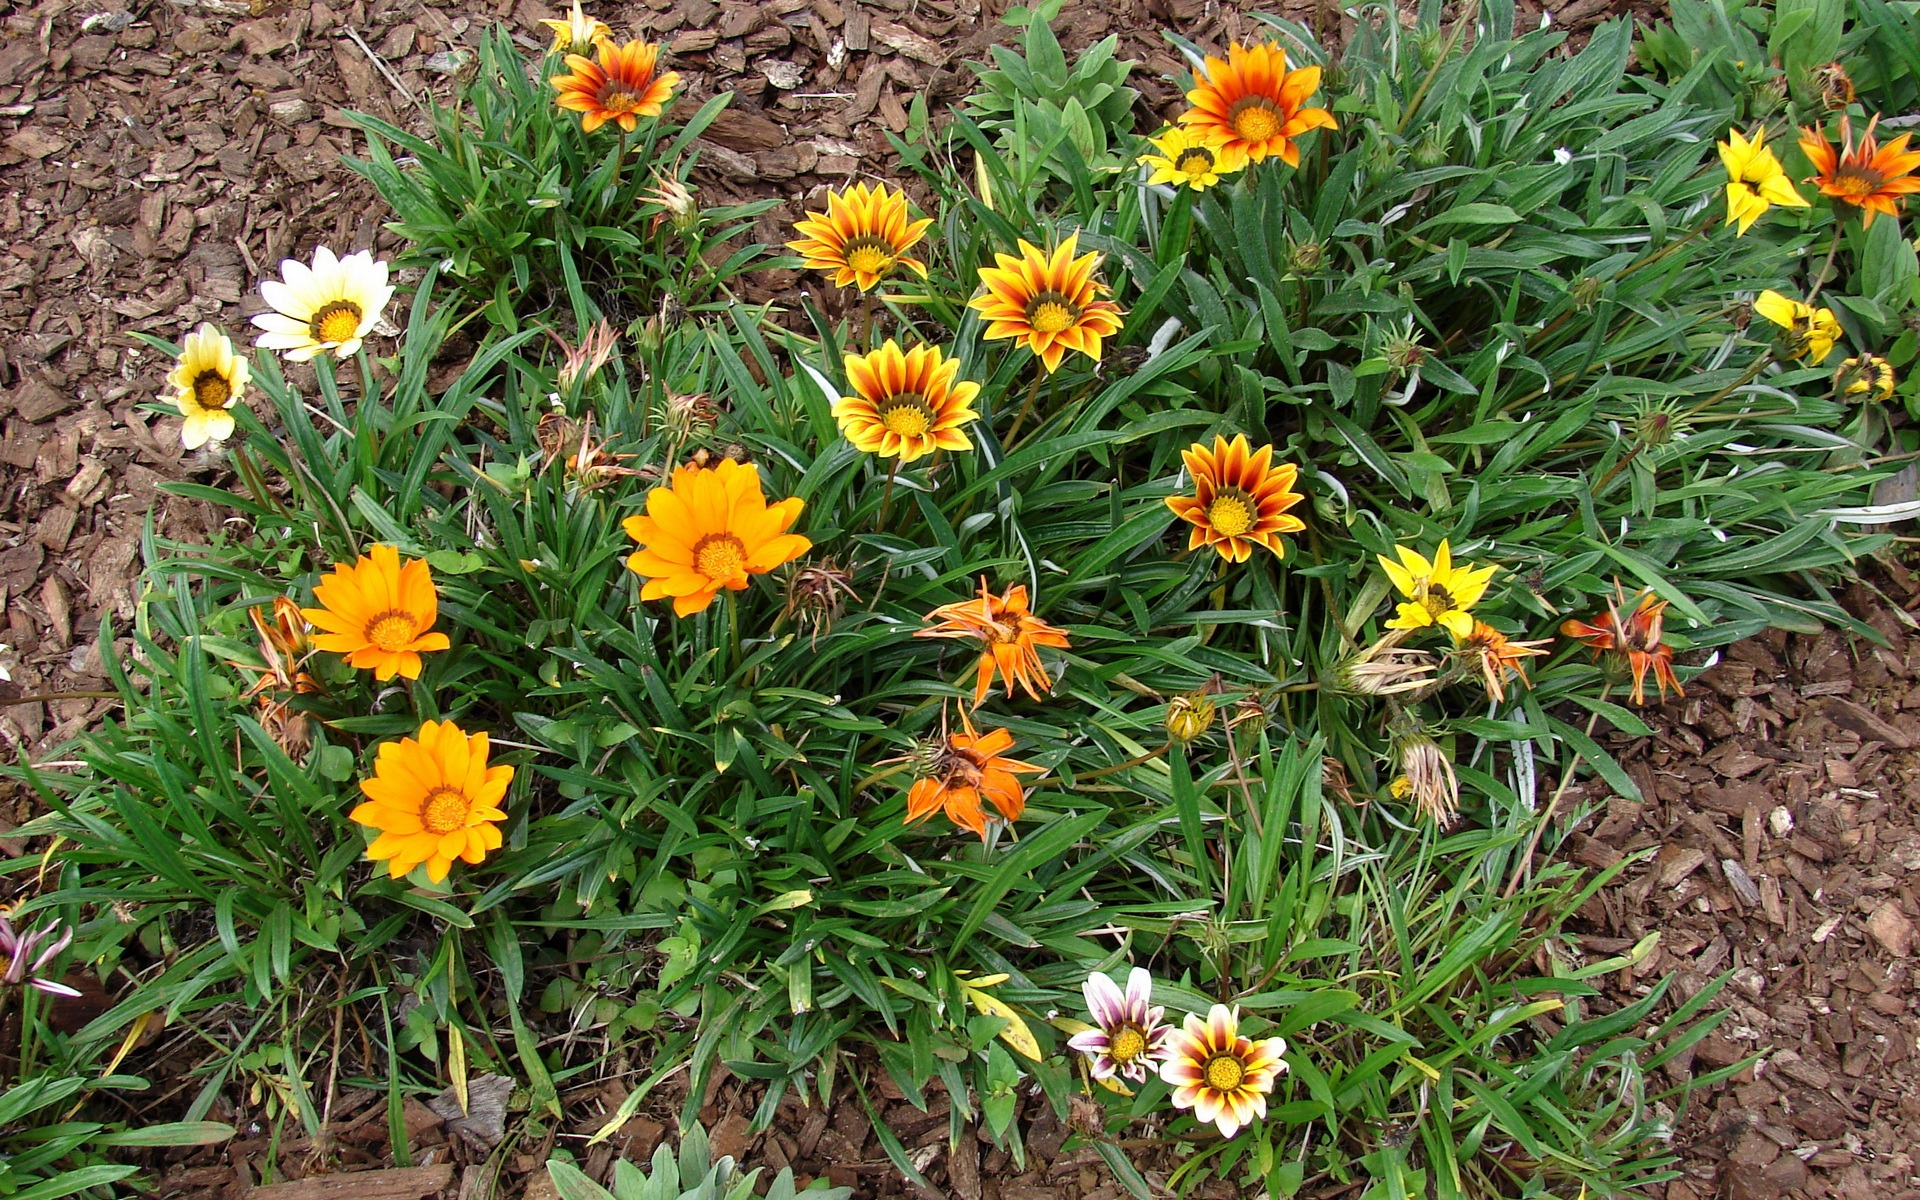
{"x":1304,"y":258}
{"x":1868,"y":377}
{"x":1189,"y":717}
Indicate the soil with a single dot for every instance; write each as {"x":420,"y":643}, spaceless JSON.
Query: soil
{"x":157,"y":160}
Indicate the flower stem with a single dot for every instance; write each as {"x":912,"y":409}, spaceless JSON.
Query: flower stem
{"x":1820,"y":280}
{"x":1020,"y":418}
{"x":886,"y":497}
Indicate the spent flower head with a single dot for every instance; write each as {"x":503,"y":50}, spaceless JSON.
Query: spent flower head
{"x":1633,"y":637}
{"x":1806,"y":332}
{"x":1868,"y":377}
{"x":1428,"y":775}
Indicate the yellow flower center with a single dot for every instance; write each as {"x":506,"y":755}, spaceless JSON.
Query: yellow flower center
{"x":1194,"y":162}
{"x":1126,"y":1044}
{"x":1232,"y":513}
{"x":907,"y":414}
{"x":336,"y":323}
{"x":392,"y":630}
{"x":1257,"y":121}
{"x":720,"y":557}
{"x":1855,"y":184}
{"x":1224,"y":1072}
{"x":620,"y":100}
{"x":1434,"y":598}
{"x":445,"y":810}
{"x":211,"y":389}
{"x":869,"y":255}
{"x":1051,"y":316}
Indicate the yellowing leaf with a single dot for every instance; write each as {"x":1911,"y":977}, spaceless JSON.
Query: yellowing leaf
{"x":1016,"y":1034}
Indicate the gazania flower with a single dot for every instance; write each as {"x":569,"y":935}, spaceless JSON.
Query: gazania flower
{"x":864,"y":234}
{"x":1048,"y":303}
{"x":1438,"y":592}
{"x":1187,"y":159}
{"x":1809,"y":332}
{"x":1868,"y":176}
{"x":622,"y":88}
{"x":1636,"y":638}
{"x":1223,"y":1077}
{"x":1130,"y":1037}
{"x":1755,"y":179}
{"x":1010,"y":633}
{"x":579,"y":33}
{"x":1426,"y":774}
{"x":1240,"y":499}
{"x":711,"y":529}
{"x":328,"y":306}
{"x":1188,"y":717}
{"x":206,"y":381}
{"x":379,"y":613}
{"x":1250,"y":104}
{"x":907,"y":405}
{"x":23,"y":958}
{"x":1868,"y":377}
{"x":433,"y":799}
{"x":963,"y":769}
{"x":1497,"y":657}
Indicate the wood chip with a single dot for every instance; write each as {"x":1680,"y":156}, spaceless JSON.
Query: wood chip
{"x":902,"y":40}
{"x":1868,"y":724}
{"x":1678,"y":862}
{"x":403,"y":1183}
{"x":1891,"y":928}
{"x":1741,"y":882}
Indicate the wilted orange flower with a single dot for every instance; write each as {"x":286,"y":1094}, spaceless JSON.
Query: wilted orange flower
{"x":1636,"y":638}
{"x":1240,"y":499}
{"x":1249,"y":103}
{"x":433,"y":799}
{"x":1497,"y":657}
{"x":711,"y":529}
{"x":1048,"y":303}
{"x":961,"y":770}
{"x":864,"y":234}
{"x":378,"y":612}
{"x":1011,"y":634}
{"x":906,"y":405}
{"x":1868,"y":176}
{"x":621,"y":88}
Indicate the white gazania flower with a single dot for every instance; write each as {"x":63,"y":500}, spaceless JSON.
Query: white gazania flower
{"x":205,"y":383}
{"x":328,"y":306}
{"x":1131,"y":1038}
{"x":1223,"y":1077}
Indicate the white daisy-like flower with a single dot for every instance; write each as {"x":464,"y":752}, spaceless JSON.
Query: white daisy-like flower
{"x":328,"y":306}
{"x":205,"y":383}
{"x":1130,"y":1037}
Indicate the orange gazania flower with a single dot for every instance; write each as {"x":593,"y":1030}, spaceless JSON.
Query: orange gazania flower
{"x":1240,"y":499}
{"x":1497,"y":657}
{"x":711,"y":529}
{"x":378,"y":612}
{"x":864,"y":234}
{"x":621,"y":88}
{"x":906,"y":405}
{"x":1048,"y":303}
{"x":1010,"y":633}
{"x":1635,"y":638}
{"x":1250,"y":103}
{"x":962,"y":769}
{"x":1866,"y":175}
{"x":433,"y":799}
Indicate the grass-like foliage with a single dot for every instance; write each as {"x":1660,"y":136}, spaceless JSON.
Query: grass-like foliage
{"x":1215,"y":582}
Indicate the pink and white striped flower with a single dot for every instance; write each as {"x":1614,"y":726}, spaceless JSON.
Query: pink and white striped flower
{"x":19,"y":962}
{"x":1130,"y":1038}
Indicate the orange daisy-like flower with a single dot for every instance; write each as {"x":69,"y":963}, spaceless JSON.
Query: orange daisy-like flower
{"x":711,"y":529}
{"x":1635,"y":638}
{"x":378,"y":612}
{"x":622,"y":87}
{"x":1223,"y":1077}
{"x":1868,"y":176}
{"x":908,"y":405}
{"x":961,"y":770}
{"x":1011,"y":634}
{"x":1250,"y":103}
{"x":1497,"y":657}
{"x":864,"y":234}
{"x":433,"y":799}
{"x":1048,"y":303}
{"x":1240,"y":499}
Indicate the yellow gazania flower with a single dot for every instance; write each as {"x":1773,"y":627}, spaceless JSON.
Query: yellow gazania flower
{"x":1438,"y":592}
{"x":621,"y":88}
{"x":1049,"y":304}
{"x":1249,"y":103}
{"x":378,"y":612}
{"x":433,"y":799}
{"x":206,"y":381}
{"x":1810,"y":332}
{"x":579,"y":33}
{"x":1868,"y":377}
{"x":908,"y":405}
{"x":1240,"y":499}
{"x":328,"y":306}
{"x":864,"y":234}
{"x":1223,"y":1077}
{"x":1186,"y":159}
{"x":711,"y":529}
{"x":1755,"y":179}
